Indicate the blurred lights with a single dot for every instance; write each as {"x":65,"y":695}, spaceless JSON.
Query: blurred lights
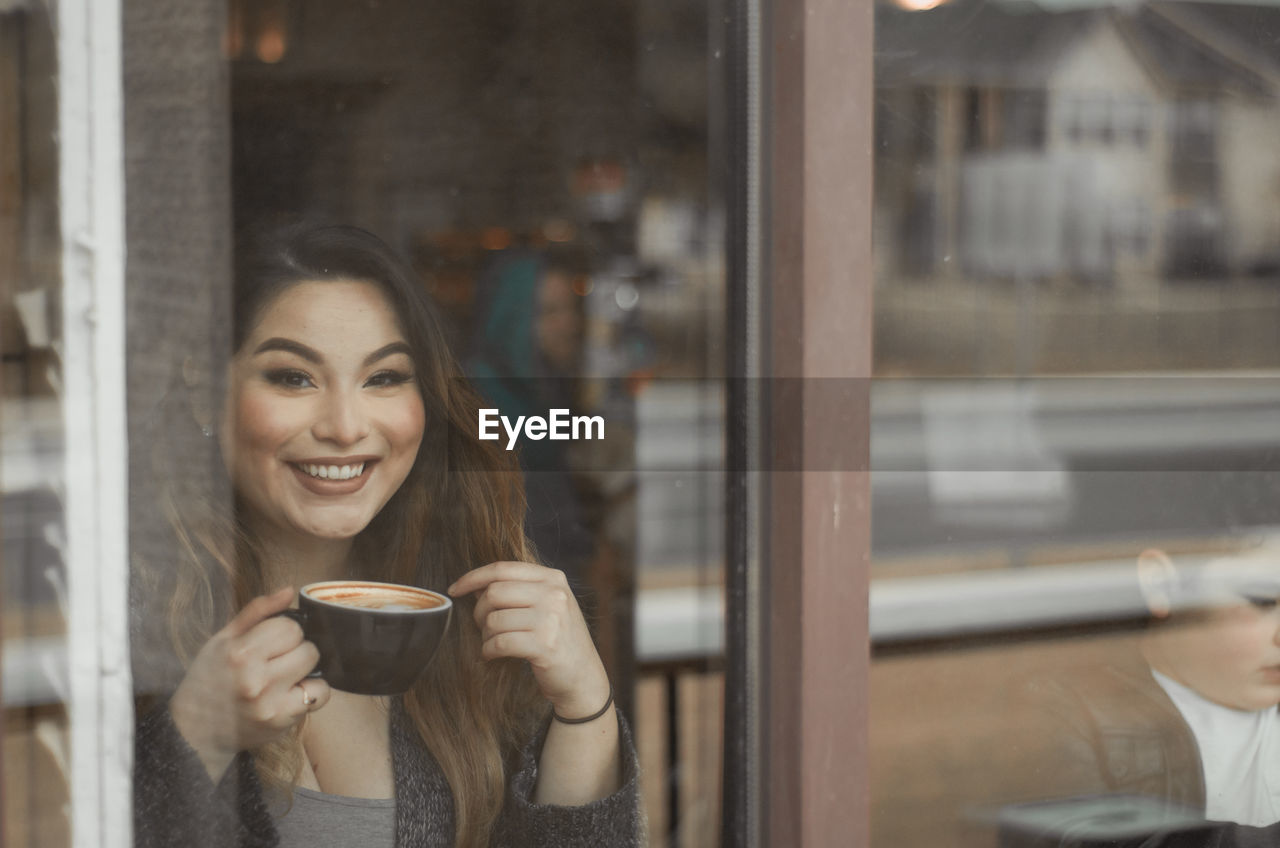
{"x":271,"y":44}
{"x":558,"y":230}
{"x":626,"y":296}
{"x":599,"y":175}
{"x":918,"y":5}
{"x":258,"y":25}
{"x":495,"y":238}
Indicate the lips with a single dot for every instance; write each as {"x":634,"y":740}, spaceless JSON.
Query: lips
{"x":333,"y":475}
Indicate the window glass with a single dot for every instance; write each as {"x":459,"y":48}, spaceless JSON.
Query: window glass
{"x":531,"y":193}
{"x":544,"y":175}
{"x":36,"y":752}
{"x":1075,"y":490}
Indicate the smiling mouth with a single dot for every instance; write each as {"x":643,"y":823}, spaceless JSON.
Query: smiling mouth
{"x":331,"y":472}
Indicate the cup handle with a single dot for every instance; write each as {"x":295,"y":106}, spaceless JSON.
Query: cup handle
{"x":301,"y":617}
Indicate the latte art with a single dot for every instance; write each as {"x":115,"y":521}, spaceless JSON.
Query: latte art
{"x":382,"y":602}
{"x":379,"y":598}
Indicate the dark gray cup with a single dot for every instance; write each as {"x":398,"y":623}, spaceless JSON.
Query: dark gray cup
{"x":374,"y":638}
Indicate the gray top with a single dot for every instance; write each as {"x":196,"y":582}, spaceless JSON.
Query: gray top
{"x":318,"y":820}
{"x":175,"y":803}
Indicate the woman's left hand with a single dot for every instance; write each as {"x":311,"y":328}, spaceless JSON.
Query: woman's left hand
{"x":529,"y":612}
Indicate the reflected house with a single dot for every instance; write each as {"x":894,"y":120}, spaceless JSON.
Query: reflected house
{"x":1103,"y":145}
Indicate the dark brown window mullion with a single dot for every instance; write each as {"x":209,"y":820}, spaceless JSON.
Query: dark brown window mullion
{"x":817,"y":306}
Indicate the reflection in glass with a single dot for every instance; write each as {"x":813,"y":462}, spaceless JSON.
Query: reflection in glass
{"x":1076,"y":305}
{"x":1181,"y":717}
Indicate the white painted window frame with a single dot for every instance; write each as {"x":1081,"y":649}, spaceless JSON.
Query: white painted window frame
{"x":91,"y":138}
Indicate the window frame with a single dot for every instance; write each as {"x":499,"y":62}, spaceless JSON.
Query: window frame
{"x":796,"y":771}
{"x":92,"y":207}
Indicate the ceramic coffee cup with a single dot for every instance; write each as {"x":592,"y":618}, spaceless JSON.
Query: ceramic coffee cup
{"x":374,"y":638}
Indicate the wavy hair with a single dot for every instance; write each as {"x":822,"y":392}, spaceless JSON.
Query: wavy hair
{"x":461,"y":506}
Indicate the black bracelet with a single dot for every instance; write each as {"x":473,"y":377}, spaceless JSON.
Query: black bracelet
{"x":607,"y":704}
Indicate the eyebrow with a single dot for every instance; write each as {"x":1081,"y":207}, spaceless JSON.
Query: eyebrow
{"x":387,"y":350}
{"x":312,"y":355}
{"x":290,"y":346}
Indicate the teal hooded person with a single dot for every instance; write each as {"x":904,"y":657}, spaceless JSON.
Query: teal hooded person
{"x":526,"y":347}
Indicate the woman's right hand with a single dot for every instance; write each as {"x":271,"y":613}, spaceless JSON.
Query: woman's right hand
{"x":248,"y":685}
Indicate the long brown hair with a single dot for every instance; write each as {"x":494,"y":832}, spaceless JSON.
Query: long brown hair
{"x":461,"y":506}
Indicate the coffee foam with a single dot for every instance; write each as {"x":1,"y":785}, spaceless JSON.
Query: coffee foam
{"x":367,"y":596}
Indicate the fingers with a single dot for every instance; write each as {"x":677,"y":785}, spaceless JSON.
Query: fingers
{"x":258,"y":610}
{"x":505,"y":620}
{"x":289,"y":668}
{"x":479,"y":578}
{"x":521,"y":645}
{"x":267,"y":655}
{"x":252,"y":676}
{"x":506,"y":595}
{"x":528,"y":612}
{"x":519,"y":597}
{"x":537,"y":632}
{"x":281,"y":708}
{"x":289,"y":693}
{"x":312,"y":695}
{"x":268,"y":639}
{"x":504,"y":585}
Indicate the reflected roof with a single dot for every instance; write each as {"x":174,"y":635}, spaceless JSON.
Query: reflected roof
{"x":974,"y":42}
{"x":1185,"y":46}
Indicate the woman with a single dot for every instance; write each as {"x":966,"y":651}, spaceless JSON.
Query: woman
{"x":339,"y":363}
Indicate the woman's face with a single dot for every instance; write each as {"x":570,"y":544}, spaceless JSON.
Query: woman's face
{"x":323,"y":416}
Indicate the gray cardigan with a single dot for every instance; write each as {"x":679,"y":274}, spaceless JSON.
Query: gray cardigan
{"x":176,"y":804}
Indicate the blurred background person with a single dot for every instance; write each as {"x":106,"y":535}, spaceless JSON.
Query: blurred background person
{"x":525,"y":359}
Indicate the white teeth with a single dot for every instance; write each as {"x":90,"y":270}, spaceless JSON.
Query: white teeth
{"x":334,"y":472}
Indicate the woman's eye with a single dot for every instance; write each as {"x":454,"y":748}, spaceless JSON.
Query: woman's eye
{"x":289,"y":378}
{"x":1262,"y":602}
{"x":388,"y":378}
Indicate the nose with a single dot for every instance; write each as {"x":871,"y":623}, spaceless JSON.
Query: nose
{"x":341,"y":419}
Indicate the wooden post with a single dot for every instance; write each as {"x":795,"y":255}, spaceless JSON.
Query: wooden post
{"x":818,"y":291}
